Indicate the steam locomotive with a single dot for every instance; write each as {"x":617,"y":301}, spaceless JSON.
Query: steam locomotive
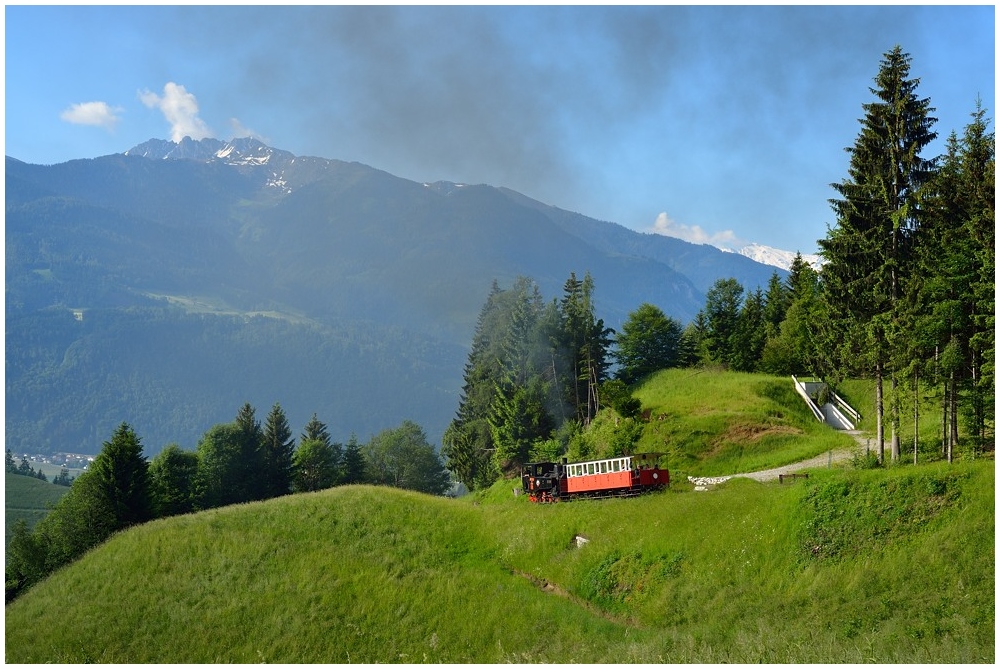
{"x":624,"y":476}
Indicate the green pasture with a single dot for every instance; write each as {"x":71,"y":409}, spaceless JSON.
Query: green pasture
{"x":887,"y":565}
{"x":713,"y":423}
{"x":366,"y":574}
{"x":28,"y":499}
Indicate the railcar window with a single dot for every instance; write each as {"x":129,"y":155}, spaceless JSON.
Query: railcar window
{"x":590,"y":468}
{"x":604,"y":468}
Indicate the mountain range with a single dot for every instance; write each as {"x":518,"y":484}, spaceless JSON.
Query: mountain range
{"x":166,"y":285}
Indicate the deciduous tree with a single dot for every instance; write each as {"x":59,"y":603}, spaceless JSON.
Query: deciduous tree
{"x":401,"y":457}
{"x":648,"y":342}
{"x":173,"y":473}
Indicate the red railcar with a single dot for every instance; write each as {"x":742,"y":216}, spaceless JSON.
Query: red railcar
{"x":623,"y":476}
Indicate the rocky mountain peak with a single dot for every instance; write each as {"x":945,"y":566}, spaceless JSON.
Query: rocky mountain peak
{"x":238,"y":151}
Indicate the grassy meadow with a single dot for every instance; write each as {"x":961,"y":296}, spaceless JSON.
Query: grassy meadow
{"x":713,"y":423}
{"x":28,"y":499}
{"x":363,"y":574}
{"x":879,"y":566}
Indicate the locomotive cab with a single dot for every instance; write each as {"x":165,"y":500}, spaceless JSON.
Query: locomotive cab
{"x":539,"y":478}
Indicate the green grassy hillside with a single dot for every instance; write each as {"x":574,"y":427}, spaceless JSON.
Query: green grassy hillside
{"x":887,"y":565}
{"x":872,"y":566}
{"x":27,"y":499}
{"x":712,"y":422}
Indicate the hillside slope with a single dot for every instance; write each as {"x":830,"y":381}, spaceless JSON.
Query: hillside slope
{"x":746,"y":573}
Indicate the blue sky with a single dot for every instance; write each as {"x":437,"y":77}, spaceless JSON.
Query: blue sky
{"x":721,"y":124}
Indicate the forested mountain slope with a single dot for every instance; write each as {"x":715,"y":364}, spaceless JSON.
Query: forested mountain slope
{"x":168,"y":285}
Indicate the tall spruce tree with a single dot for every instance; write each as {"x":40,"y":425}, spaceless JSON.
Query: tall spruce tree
{"x":776,"y":302}
{"x":354,"y":462}
{"x":587,"y":342}
{"x":121,"y":475}
{"x":467,"y":444}
{"x":869,"y":250}
{"x":751,"y":333}
{"x":277,"y":452}
{"x":249,"y":466}
{"x":316,"y":431}
{"x":978,"y":169}
{"x":955,"y":300}
{"x":722,"y":315}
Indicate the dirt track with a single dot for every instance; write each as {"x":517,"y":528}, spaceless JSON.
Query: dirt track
{"x":772,"y":474}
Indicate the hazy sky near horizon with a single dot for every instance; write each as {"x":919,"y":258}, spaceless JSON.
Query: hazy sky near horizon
{"x":715,"y":124}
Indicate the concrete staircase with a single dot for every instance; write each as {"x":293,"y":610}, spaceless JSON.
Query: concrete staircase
{"x":836,"y":413}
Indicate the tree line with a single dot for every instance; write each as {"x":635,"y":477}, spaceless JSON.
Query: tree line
{"x":236,"y":462}
{"x":905,"y":294}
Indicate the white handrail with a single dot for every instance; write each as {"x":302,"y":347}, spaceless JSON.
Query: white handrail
{"x":800,"y":388}
{"x":845,"y":406}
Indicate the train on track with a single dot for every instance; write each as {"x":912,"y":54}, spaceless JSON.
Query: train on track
{"x":623,"y":476}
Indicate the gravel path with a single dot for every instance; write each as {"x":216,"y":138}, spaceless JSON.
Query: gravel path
{"x":822,"y":460}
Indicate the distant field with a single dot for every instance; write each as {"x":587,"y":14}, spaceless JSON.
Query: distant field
{"x":52,"y":471}
{"x":29,"y":499}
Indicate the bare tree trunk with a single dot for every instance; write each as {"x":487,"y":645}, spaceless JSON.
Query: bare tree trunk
{"x":944,"y":418}
{"x":894,"y":417}
{"x":953,"y":419}
{"x":916,"y":412}
{"x":879,"y":426}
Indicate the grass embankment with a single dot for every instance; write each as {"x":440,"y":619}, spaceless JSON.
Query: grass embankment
{"x":872,"y":566}
{"x":28,"y":499}
{"x":713,"y":423}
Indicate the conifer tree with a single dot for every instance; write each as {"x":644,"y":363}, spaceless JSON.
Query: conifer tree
{"x":316,"y":430}
{"x":121,"y":475}
{"x":751,"y":333}
{"x":869,"y":251}
{"x":776,"y":302}
{"x":248,"y":482}
{"x":722,"y":314}
{"x":587,"y":342}
{"x":354,"y":462}
{"x":955,"y":298}
{"x":467,"y":444}
{"x":277,"y":451}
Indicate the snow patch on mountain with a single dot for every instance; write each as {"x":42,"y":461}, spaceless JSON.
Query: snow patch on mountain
{"x":238,"y":152}
{"x":769,"y":255}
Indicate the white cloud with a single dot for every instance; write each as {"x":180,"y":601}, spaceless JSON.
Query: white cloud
{"x":180,"y":108}
{"x":725,"y":239}
{"x":92,"y":113}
